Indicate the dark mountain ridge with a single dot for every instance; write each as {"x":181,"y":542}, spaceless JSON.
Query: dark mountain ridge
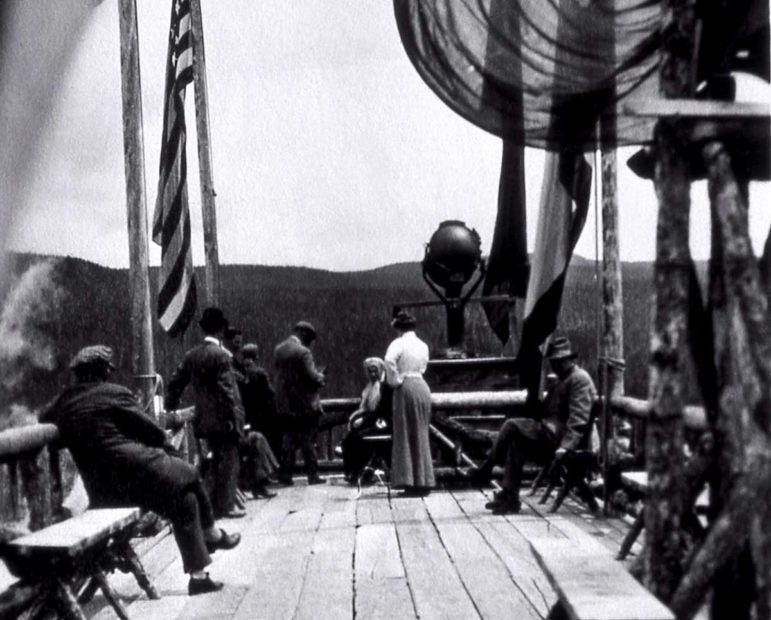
{"x":351,"y":311}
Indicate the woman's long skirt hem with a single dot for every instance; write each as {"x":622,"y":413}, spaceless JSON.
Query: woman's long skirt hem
{"x":411,"y":464}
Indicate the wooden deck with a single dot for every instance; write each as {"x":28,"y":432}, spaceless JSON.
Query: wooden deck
{"x":322,"y":552}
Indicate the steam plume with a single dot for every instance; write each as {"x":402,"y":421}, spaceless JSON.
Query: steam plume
{"x":24,"y":344}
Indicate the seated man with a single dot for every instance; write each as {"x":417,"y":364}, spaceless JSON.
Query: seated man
{"x":258,"y":461}
{"x":563,"y":427}
{"x":125,"y":460}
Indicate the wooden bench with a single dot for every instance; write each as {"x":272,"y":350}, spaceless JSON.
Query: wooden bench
{"x":591,"y":585}
{"x":68,"y":561}
{"x":637,"y":481}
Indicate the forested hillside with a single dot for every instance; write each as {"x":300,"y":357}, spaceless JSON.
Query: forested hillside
{"x":61,"y":304}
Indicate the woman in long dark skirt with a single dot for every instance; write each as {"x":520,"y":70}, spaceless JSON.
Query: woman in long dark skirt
{"x":406,"y":361}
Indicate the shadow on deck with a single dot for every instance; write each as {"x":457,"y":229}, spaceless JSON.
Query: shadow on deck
{"x":322,"y":552}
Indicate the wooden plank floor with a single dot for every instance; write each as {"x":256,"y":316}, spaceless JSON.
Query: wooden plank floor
{"x":323,"y":552}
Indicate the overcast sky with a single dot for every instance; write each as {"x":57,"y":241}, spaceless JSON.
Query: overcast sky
{"x":328,"y":149}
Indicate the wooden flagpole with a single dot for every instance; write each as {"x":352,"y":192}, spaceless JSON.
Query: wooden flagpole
{"x":211,"y":249}
{"x":612,"y":307}
{"x":612,"y":344}
{"x":142,"y":358}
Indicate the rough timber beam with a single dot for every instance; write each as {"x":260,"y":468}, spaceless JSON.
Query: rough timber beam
{"x":696,"y":108}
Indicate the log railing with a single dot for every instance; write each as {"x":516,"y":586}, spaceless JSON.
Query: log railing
{"x":30,"y":475}
{"x":21,"y":447}
{"x":493,"y":408}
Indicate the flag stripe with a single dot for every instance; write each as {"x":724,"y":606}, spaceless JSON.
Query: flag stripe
{"x":171,"y":222}
{"x":178,"y":274}
{"x":567,"y":180}
{"x":185,"y":307}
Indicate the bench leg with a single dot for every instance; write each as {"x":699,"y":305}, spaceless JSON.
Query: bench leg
{"x":65,"y":601}
{"x":87,"y":591}
{"x":555,"y":475}
{"x":631,"y":536}
{"x":537,"y":481}
{"x":549,"y":488}
{"x":558,"y":612}
{"x":585,"y":493}
{"x":111,"y":595}
{"x":566,"y":487}
{"x":43,"y":607}
{"x":134,"y":566}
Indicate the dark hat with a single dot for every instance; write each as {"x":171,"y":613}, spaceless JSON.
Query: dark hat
{"x":304,"y":326}
{"x":93,"y":355}
{"x":212,"y":320}
{"x":250,"y":351}
{"x":232,"y":332}
{"x":559,"y":348}
{"x":403,"y":320}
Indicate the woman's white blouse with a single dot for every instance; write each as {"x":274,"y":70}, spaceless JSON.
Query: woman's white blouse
{"x":406,"y":356}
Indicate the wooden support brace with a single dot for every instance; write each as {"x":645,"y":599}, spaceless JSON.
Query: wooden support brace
{"x":134,"y":566}
{"x":111,"y":595}
{"x":695,"y":108}
{"x":66,"y":602}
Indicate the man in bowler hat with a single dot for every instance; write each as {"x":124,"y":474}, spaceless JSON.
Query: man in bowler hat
{"x":219,"y":414}
{"x":297,"y":383}
{"x":563,"y":426}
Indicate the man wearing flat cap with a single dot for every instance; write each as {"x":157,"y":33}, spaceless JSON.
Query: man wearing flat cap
{"x":125,"y":459}
{"x":219,"y":414}
{"x":297,"y":383}
{"x":564,"y":426}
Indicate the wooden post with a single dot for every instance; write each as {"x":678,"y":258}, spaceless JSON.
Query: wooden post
{"x":612,"y":290}
{"x":727,"y":594}
{"x":664,"y":442}
{"x":142,"y":361}
{"x":743,"y":346}
{"x":612,"y":346}
{"x":204,"y":157}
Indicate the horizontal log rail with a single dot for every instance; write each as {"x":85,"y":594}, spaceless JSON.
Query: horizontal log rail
{"x":15,"y":442}
{"x":686,"y":108}
{"x":451,"y":401}
{"x":694,"y":416}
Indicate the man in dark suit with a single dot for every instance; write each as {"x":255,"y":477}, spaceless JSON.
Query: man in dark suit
{"x":562,"y":426}
{"x":126,"y":460}
{"x":219,"y":415}
{"x":297,"y":383}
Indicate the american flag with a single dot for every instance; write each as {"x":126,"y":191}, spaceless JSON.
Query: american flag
{"x":171,"y":222}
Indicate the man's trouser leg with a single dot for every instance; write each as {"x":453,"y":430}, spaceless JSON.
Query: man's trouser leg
{"x":225,"y":463}
{"x":497,"y":454}
{"x":308,"y":446}
{"x":190,"y":516}
{"x":526,"y":440}
{"x":288,"y":454}
{"x":508,"y":430}
{"x":258,"y":461}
